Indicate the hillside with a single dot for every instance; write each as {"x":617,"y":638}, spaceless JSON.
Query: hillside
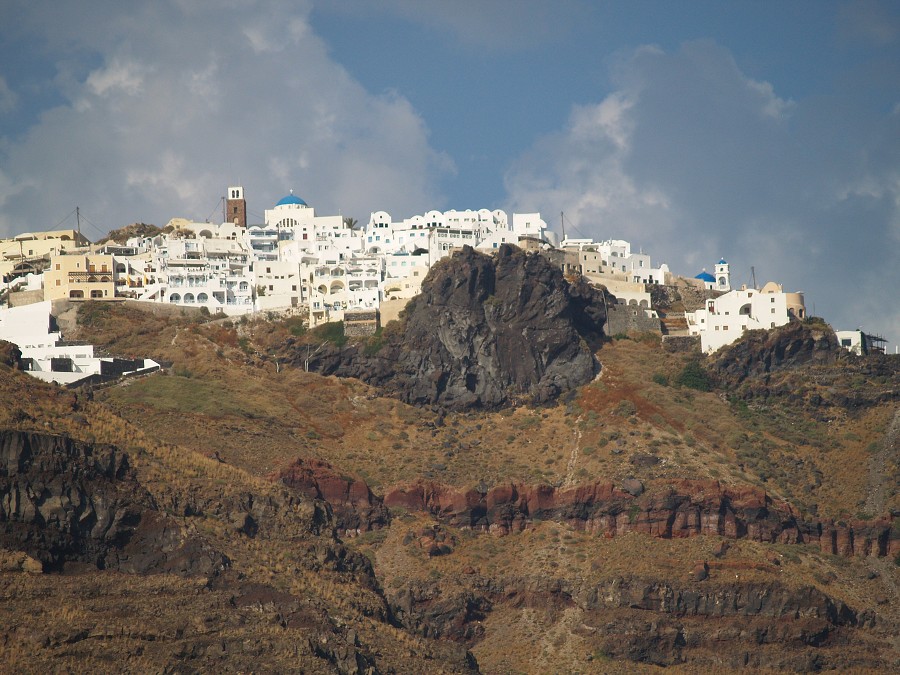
{"x":702,"y":513}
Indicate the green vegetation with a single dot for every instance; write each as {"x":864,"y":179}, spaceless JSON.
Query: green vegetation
{"x":332,"y":332}
{"x":693,"y":376}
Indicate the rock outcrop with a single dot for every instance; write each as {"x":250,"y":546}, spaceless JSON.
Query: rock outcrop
{"x":674,"y":509}
{"x":777,"y":364}
{"x":763,"y":624}
{"x":761,"y":352}
{"x":486,"y":331}
{"x":355,"y":509}
{"x":9,"y":354}
{"x":63,"y":501}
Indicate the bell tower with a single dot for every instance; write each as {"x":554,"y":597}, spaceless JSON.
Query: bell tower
{"x":236,"y":206}
{"x":723,"y":276}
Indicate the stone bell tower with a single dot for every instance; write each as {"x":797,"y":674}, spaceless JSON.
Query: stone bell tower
{"x":236,"y":206}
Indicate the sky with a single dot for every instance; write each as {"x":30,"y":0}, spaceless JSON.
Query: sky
{"x":767,"y":133}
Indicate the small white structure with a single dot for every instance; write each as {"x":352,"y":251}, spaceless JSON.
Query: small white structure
{"x":859,"y":342}
{"x":726,"y":318}
{"x":43,"y":356}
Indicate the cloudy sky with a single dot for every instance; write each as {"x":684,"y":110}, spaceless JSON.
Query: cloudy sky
{"x":764,"y":132}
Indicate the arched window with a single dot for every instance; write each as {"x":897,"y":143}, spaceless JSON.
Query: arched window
{"x":202,"y":297}
{"x":76,"y":294}
{"x":244,"y":286}
{"x":189,"y":298}
{"x":96,"y":294}
{"x":175,"y":298}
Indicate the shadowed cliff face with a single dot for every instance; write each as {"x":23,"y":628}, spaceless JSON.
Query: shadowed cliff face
{"x":486,"y":331}
{"x":64,"y":501}
{"x":761,"y":352}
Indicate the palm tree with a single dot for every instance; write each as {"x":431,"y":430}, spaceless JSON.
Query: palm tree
{"x":350,"y":222}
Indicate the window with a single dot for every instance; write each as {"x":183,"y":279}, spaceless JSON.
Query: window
{"x":772,"y":300}
{"x":58,"y":282}
{"x":57,"y":265}
{"x":773,"y":310}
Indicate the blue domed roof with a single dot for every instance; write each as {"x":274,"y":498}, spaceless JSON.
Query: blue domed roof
{"x":705,"y":276}
{"x":291,"y":199}
{"x":722,"y":261}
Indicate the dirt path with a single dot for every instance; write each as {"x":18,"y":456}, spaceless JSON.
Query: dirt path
{"x":573,"y":457}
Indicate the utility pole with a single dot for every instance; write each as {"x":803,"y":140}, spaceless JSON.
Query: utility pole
{"x":78,"y":220}
{"x":562,"y":222}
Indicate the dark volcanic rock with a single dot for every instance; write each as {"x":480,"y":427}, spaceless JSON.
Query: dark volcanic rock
{"x":354,"y":506}
{"x":486,"y":331}
{"x":64,"y":501}
{"x":761,"y":352}
{"x":9,"y":354}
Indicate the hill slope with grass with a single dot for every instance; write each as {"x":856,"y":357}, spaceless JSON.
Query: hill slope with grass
{"x":609,"y":530}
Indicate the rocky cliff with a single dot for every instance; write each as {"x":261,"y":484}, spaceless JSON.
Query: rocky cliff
{"x":355,"y":509}
{"x":671,"y":509}
{"x":63,"y":501}
{"x":486,"y":331}
{"x":801,"y":362}
{"x":761,"y":352}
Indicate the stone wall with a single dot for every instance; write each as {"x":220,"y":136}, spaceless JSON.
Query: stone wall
{"x":630,"y":318}
{"x":22,"y":298}
{"x":681,"y":344}
{"x":360,"y":324}
{"x":690,"y":296}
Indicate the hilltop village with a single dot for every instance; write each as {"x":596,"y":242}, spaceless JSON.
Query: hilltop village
{"x":327,"y":269}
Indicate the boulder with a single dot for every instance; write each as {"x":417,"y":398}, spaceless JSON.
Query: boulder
{"x":485,"y":332}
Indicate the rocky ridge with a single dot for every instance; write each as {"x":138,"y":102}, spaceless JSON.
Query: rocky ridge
{"x":62,"y":501}
{"x":485,"y":332}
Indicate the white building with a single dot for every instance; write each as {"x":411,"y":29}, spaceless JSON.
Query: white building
{"x":32,"y":329}
{"x":727,"y":317}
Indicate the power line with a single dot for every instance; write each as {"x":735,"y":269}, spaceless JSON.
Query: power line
{"x":71,"y":213}
{"x":571,"y":224}
{"x":96,"y":228}
{"x":215,"y":208}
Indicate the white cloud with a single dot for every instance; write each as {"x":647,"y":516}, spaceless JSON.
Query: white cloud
{"x":118,"y":76}
{"x":692,"y":160}
{"x":183,"y":98}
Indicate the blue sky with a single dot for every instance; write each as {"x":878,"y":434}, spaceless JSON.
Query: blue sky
{"x":764,"y":132}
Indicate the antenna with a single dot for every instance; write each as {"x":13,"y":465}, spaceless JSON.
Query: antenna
{"x":78,"y":220}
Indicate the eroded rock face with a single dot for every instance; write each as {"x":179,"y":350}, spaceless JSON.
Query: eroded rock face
{"x":9,"y":354}
{"x":674,"y":509}
{"x":64,"y":501}
{"x":353,"y":505}
{"x":486,"y":331}
{"x":761,"y":352}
